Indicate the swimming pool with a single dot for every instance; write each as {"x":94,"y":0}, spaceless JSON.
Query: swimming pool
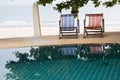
{"x":62,"y":62}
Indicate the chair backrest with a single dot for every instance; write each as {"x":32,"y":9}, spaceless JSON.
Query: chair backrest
{"x":94,"y":49}
{"x":69,"y":51}
{"x":67,"y":21}
{"x":94,"y":20}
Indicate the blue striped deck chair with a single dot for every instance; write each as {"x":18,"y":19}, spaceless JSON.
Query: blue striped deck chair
{"x":66,"y":51}
{"x":67,"y":25}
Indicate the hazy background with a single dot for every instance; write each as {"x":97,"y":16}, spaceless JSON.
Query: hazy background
{"x":16,"y":17}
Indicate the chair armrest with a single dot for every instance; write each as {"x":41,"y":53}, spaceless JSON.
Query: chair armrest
{"x":78,"y":26}
{"x":78,"y":23}
{"x":59,"y":23}
{"x":103,"y":25}
{"x":84,"y":22}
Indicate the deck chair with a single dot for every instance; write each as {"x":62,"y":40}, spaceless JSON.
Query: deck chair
{"x":67,"y":26}
{"x":93,"y":23}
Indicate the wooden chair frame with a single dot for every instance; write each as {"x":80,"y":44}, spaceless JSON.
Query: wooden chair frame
{"x":68,"y":31}
{"x":97,"y":27}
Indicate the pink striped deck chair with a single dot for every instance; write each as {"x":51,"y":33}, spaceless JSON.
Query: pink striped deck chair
{"x":67,"y":25}
{"x":93,"y":23}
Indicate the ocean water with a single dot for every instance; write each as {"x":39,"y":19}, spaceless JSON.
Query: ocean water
{"x":21,"y":16}
{"x":15,"y":15}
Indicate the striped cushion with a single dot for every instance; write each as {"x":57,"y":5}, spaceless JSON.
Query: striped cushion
{"x":94,"y":21}
{"x":67,"y":22}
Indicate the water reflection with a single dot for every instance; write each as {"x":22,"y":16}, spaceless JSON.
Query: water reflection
{"x":39,"y":58}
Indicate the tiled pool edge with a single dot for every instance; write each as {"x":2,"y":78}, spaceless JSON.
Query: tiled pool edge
{"x":110,"y":37}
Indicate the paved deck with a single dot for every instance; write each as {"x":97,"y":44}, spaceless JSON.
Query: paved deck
{"x":110,"y":37}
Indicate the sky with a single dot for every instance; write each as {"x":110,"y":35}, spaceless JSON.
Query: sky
{"x":20,"y":2}
{"x":16,"y":2}
{"x":86,"y":9}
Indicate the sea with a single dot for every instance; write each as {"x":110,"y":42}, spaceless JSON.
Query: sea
{"x":21,"y":16}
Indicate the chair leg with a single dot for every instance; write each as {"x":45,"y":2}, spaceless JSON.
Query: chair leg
{"x":76,"y":33}
{"x":101,"y":34}
{"x":85,"y":33}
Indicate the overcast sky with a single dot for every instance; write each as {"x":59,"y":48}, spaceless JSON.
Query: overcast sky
{"x":23,"y":2}
{"x":16,"y":2}
{"x":19,"y":2}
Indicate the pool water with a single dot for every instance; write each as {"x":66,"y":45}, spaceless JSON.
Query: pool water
{"x":63,"y":62}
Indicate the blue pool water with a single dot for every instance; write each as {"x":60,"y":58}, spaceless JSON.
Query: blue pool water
{"x":63,"y":62}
